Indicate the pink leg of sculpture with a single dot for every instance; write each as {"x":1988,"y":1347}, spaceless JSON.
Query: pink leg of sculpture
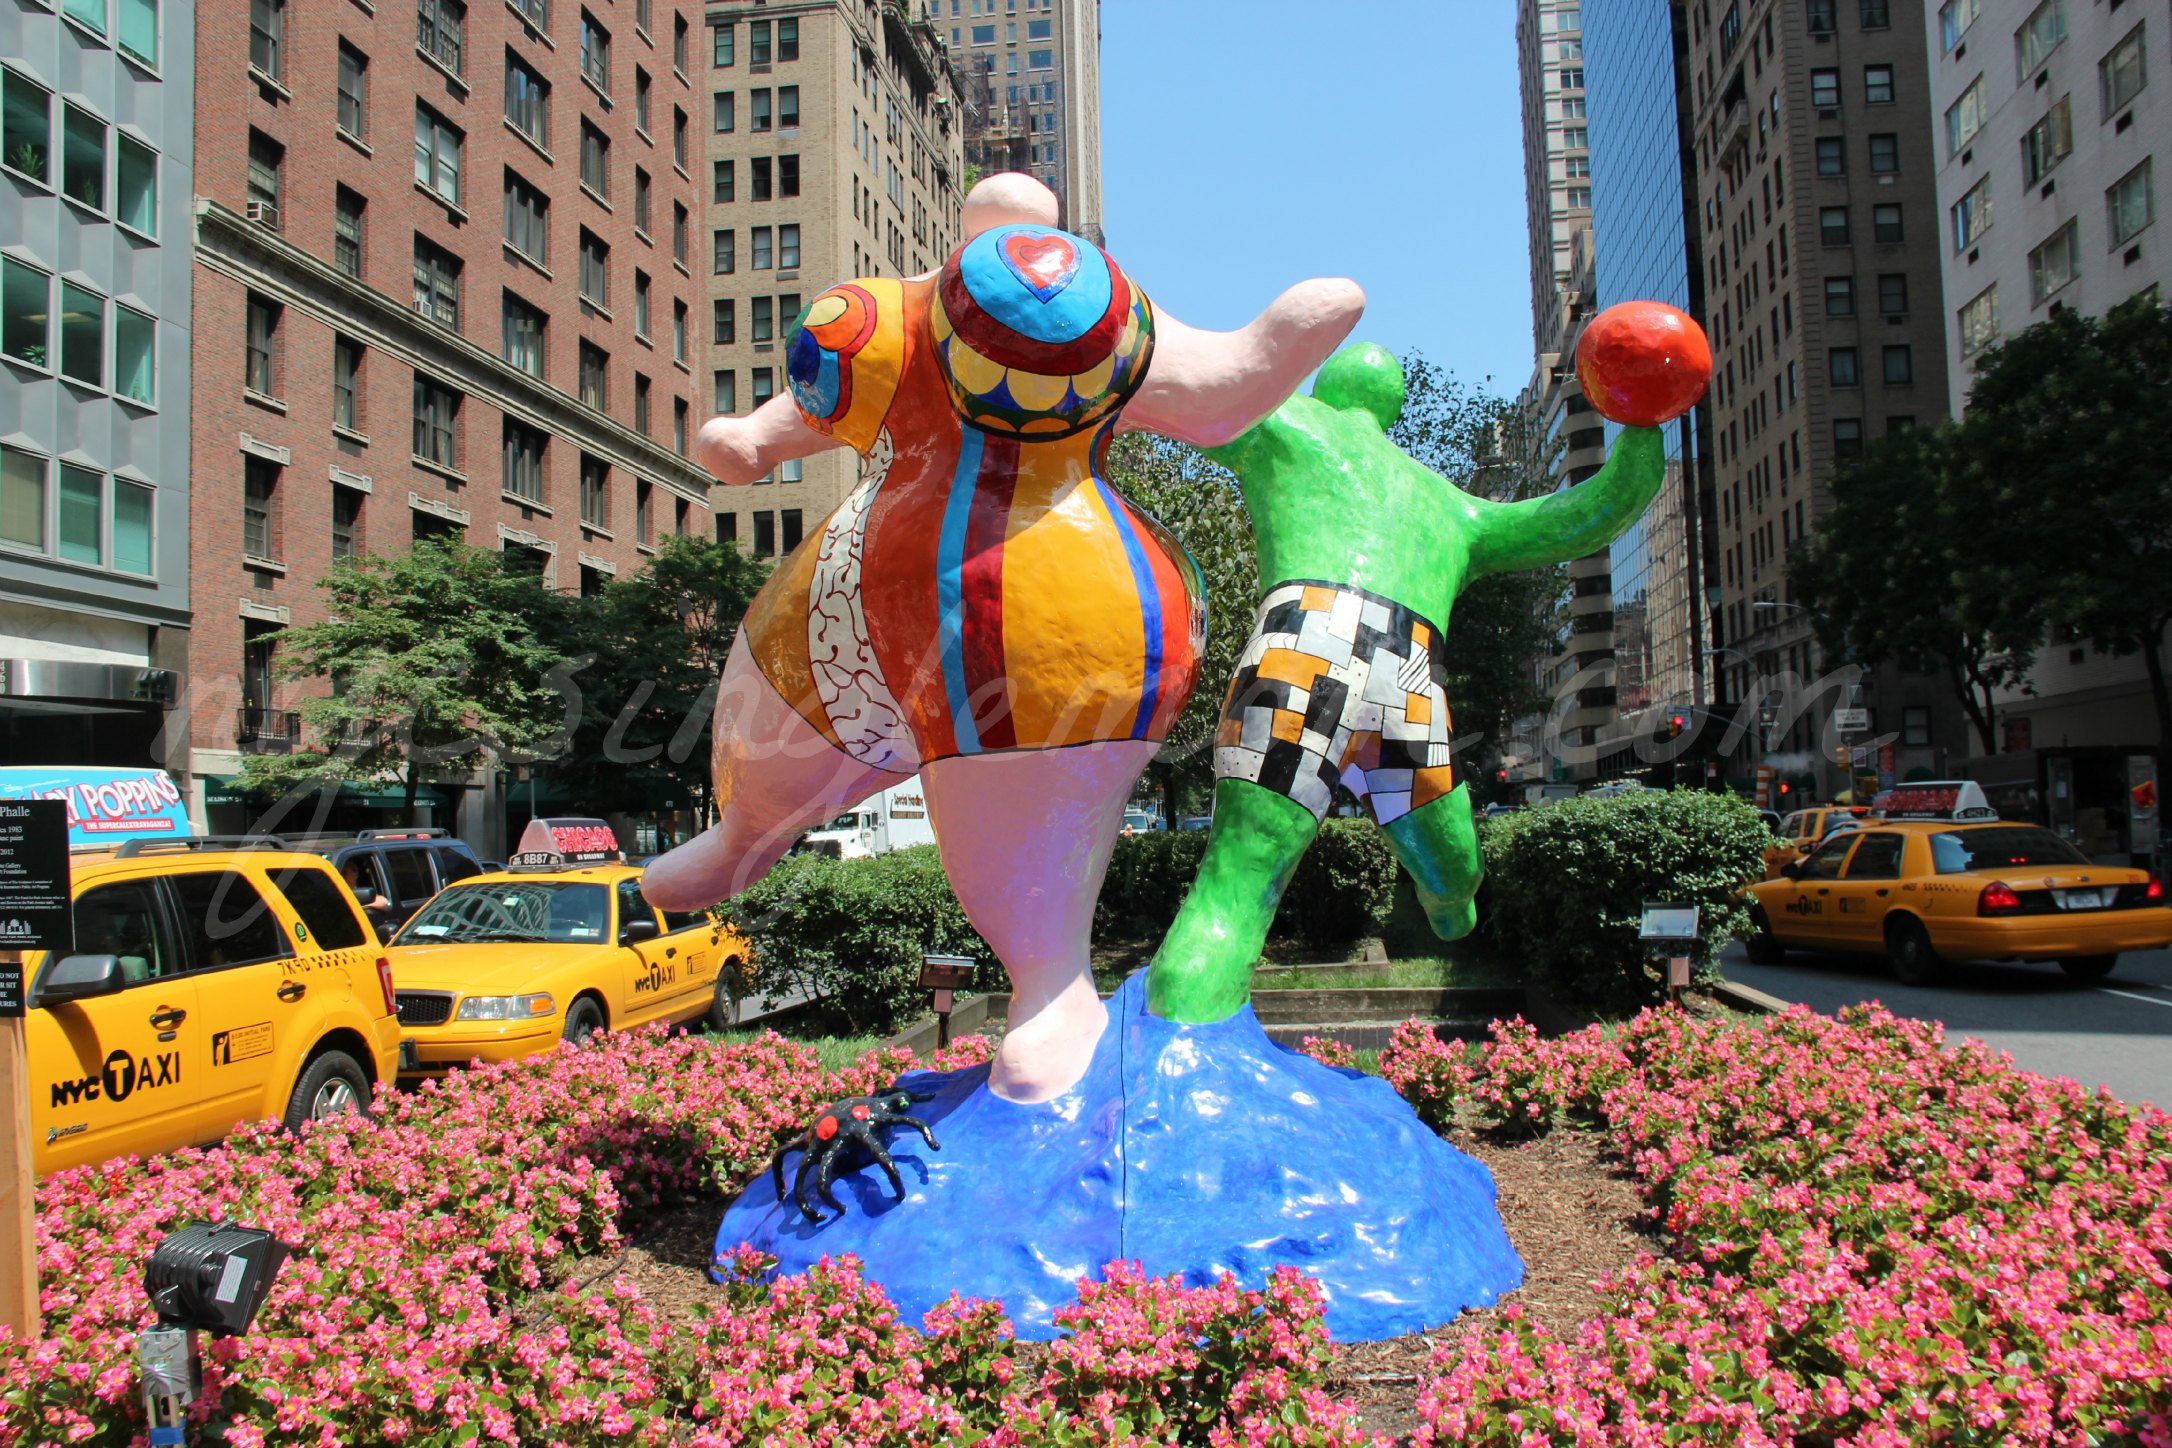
{"x":1026,"y":839}
{"x":776,"y":777}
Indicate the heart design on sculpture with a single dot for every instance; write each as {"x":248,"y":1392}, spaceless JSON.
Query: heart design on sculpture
{"x":1043,"y":262}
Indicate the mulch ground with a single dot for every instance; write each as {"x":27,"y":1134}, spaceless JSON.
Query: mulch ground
{"x":1572,"y":1215}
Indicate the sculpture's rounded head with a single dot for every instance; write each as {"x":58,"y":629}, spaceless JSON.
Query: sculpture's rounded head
{"x":1363,"y":377}
{"x":1039,"y":334}
{"x":1008,"y":198}
{"x":1643,"y":363}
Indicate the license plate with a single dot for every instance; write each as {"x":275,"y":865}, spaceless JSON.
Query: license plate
{"x":2083,"y":899}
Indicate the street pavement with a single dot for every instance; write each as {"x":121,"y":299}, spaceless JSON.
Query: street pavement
{"x":2116,"y":1032}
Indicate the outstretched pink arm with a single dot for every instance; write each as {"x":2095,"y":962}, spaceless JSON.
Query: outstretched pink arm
{"x":1205,"y":388}
{"x":740,"y":449}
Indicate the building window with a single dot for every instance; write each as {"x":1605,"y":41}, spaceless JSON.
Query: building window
{"x":22,"y":498}
{"x":1833,"y":225}
{"x":437,"y":419}
{"x":787,"y":107}
{"x":789,"y":518}
{"x":787,"y":41}
{"x":1840,"y":296}
{"x":678,"y":233}
{"x":26,"y":131}
{"x":1847,"y":437}
{"x":723,"y":322}
{"x":1045,"y":59}
{"x":763,"y":185}
{"x":680,"y":30}
{"x":679,"y":131}
{"x":260,"y":368}
{"x":353,"y":91}
{"x":135,"y":354}
{"x":2054,"y":264}
{"x":595,"y":493}
{"x":758,"y":42}
{"x":1825,"y":89}
{"x":724,"y":393}
{"x":763,"y":385}
{"x":82,"y":335}
{"x":2124,"y":72}
{"x":523,"y":340}
{"x":644,"y":512}
{"x":2131,"y":204}
{"x":721,"y":186}
{"x":135,"y":170}
{"x":595,"y":269}
{"x":347,"y":384}
{"x":761,"y":319}
{"x":524,"y":461}
{"x":765,"y":535}
{"x":26,"y":301}
{"x":1979,"y":320}
{"x":267,"y":36}
{"x":679,"y":330}
{"x":267,"y":161}
{"x":536,"y":12}
{"x":1878,"y":84}
{"x":1964,"y":118}
{"x":527,"y":220}
{"x":437,"y":154}
{"x":1915,"y":725}
{"x":720,"y":45}
{"x":1876,"y":14}
{"x":983,"y":34}
{"x":2039,"y":36}
{"x":762,"y":238}
{"x":259,"y":509}
{"x":641,"y":404}
{"x":1972,"y":215}
{"x":595,"y":160}
{"x":758,"y":109}
{"x":724,"y":257}
{"x":595,"y":53}
{"x":680,"y":424}
{"x":721,"y":117}
{"x":347,"y":522}
{"x":1954,"y":18}
{"x":1832,"y":153}
{"x":788,"y":248}
{"x":440,"y":27}
{"x":1893,"y":294}
{"x":788,"y":471}
{"x":437,"y":284}
{"x":527,"y":101}
{"x":347,"y":231}
{"x":1900,"y":364}
{"x":139,"y":30}
{"x":641,"y":201}
{"x":82,"y":515}
{"x":595,"y":365}
{"x":2049,"y":141}
{"x":1885,"y":222}
{"x":1842,"y":368}
{"x":1884,"y":154}
{"x":727,"y":529}
{"x":641,"y":100}
{"x":641,"y":303}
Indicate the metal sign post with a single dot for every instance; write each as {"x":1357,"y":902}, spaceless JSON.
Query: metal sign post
{"x":34,"y":915}
{"x":945,"y":975}
{"x":1671,"y":926}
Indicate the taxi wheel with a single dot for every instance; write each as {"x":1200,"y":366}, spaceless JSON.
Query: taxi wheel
{"x":2089,"y":967}
{"x":1764,"y":947}
{"x":332,"y":1083}
{"x":1914,"y":961}
{"x":720,"y":1003}
{"x":583,"y":1019}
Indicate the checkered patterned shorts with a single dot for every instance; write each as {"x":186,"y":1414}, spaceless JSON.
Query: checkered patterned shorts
{"x":1338,"y":683}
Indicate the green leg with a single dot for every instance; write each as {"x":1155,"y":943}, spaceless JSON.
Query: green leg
{"x":1203,"y":971}
{"x":1438,"y":845}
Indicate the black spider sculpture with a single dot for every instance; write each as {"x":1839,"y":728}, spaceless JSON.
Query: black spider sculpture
{"x":841,"y":1123}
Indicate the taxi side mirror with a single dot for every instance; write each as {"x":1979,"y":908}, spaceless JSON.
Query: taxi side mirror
{"x":363,"y":894}
{"x":637,"y":931}
{"x":79,"y":977}
{"x":1792,"y":869}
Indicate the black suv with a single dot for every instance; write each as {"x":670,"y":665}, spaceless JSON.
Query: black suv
{"x":393,"y":872}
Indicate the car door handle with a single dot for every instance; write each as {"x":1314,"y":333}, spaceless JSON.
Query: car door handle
{"x":671,"y":952}
{"x":1881,"y":889}
{"x":291,"y":991}
{"x":167,"y":1017}
{"x":1825,"y":890}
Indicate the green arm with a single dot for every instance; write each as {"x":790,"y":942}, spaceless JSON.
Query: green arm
{"x":1575,"y":521}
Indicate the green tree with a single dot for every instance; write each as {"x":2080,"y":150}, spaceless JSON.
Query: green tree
{"x":652,"y":647}
{"x":1198,"y":503}
{"x":1897,"y":571}
{"x":434,"y":655}
{"x":2066,"y":462}
{"x":1503,"y":623}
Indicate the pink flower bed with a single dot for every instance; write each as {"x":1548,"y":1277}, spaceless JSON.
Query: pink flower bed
{"x":1867,"y":1241}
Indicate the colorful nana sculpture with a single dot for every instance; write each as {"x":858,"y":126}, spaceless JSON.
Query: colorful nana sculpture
{"x":985,"y":610}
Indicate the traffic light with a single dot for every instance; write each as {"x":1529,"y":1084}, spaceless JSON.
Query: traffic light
{"x":1785,"y":787}
{"x":1501,"y":776}
{"x":1676,"y":723}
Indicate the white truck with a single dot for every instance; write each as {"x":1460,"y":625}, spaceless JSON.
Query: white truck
{"x":896,"y":819}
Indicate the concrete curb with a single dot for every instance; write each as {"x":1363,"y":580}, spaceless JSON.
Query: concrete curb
{"x":1744,"y":998}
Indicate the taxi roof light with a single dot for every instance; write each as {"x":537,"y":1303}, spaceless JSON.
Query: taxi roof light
{"x":1998,"y":898}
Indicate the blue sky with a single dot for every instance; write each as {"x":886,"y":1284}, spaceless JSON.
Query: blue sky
{"x":1247,"y":145}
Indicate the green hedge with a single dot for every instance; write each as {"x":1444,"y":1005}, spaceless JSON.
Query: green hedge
{"x":850,"y":933}
{"x":1342,"y":891}
{"x":1566,"y":887}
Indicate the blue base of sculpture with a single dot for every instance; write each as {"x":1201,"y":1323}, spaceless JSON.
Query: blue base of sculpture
{"x":1192,"y":1149}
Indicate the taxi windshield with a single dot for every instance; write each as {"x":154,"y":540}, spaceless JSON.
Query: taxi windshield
{"x":555,"y":912}
{"x":1999,"y":848}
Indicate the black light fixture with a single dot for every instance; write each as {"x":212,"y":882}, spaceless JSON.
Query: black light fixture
{"x":210,"y":1277}
{"x":946,"y":975}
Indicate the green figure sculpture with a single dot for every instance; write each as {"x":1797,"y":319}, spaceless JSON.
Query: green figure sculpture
{"x":1361,"y":555}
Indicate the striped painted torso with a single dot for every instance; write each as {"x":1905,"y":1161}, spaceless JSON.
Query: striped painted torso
{"x":975,"y":592}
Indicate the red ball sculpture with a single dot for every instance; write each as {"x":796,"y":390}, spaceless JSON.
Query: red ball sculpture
{"x":1643,"y":363}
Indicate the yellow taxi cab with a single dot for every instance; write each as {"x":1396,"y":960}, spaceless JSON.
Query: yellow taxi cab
{"x":1950,"y":881}
{"x":556,"y":946}
{"x":1802,"y":831}
{"x":213,"y":981}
